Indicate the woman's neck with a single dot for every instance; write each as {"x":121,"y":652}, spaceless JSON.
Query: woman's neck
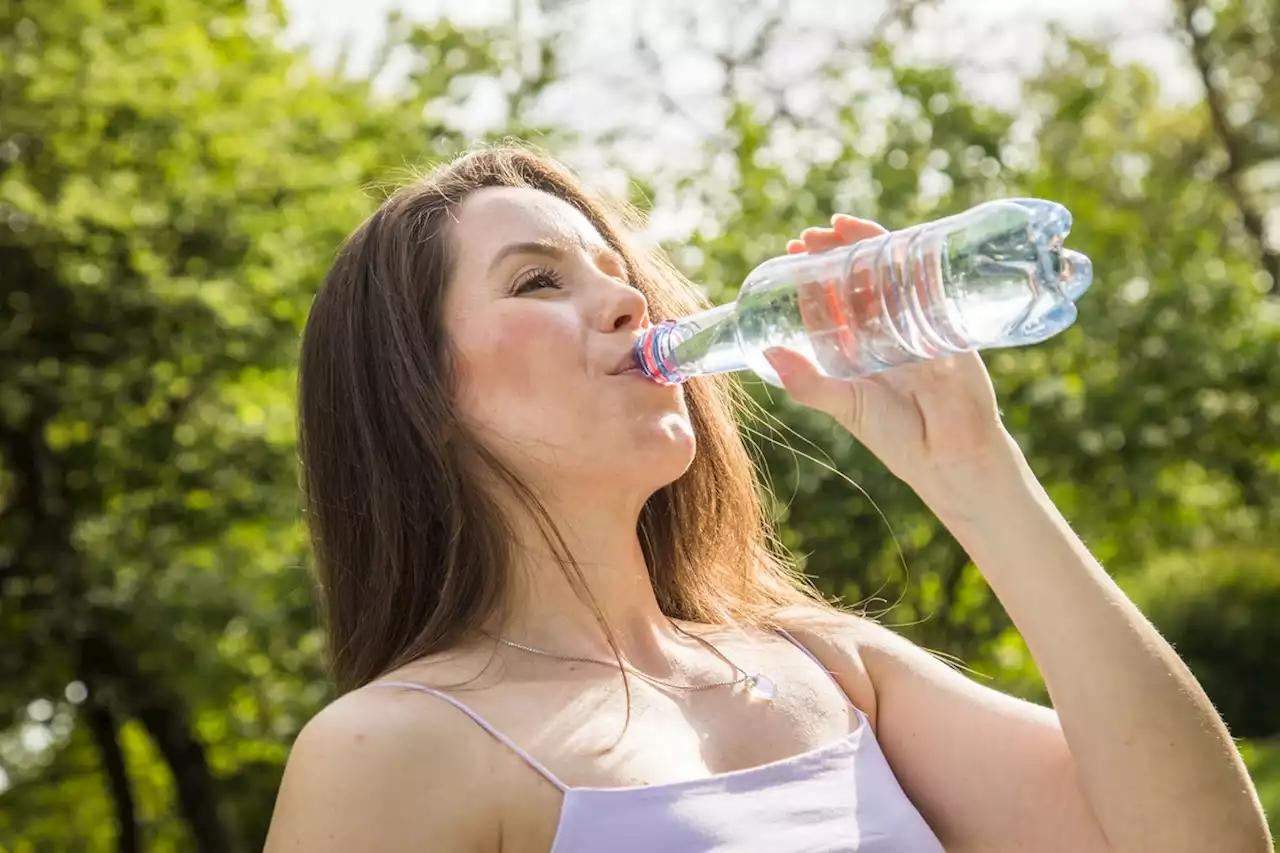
{"x":549,"y":612}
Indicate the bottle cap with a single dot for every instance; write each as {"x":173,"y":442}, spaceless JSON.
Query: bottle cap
{"x":648,"y":353}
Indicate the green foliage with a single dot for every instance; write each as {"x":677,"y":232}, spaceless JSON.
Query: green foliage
{"x":173,"y":184}
{"x":172,"y":188}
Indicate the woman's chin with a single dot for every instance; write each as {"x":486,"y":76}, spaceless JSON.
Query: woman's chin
{"x":668,"y":462}
{"x":673,"y":436}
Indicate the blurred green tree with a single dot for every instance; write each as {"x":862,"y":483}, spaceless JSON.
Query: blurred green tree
{"x":172,"y":186}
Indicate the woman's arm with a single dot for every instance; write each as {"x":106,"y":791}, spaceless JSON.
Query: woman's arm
{"x":1152,"y":757}
{"x":1135,"y":757}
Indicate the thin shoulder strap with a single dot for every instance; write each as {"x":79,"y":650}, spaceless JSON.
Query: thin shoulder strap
{"x":482,"y":723}
{"x":801,"y":646}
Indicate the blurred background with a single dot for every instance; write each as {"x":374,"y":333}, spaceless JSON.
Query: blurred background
{"x":175,"y":176}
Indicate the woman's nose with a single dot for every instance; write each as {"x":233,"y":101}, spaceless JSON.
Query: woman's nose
{"x":626,"y":308}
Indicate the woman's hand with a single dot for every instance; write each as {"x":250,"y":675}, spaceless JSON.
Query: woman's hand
{"x":934,"y":424}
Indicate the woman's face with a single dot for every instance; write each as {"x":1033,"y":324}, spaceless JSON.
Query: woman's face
{"x":543,"y":320}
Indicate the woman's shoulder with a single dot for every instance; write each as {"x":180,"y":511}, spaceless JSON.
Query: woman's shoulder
{"x":868,"y":658}
{"x":395,"y":711}
{"x":841,"y":641}
{"x":384,"y":769}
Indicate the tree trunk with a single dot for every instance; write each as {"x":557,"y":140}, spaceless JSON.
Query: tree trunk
{"x":102,"y":726}
{"x":165,"y":719}
{"x":41,"y":492}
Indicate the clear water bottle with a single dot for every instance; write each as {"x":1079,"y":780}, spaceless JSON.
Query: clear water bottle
{"x":996,"y":275}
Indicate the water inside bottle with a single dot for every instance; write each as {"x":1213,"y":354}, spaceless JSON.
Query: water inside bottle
{"x":997,"y":276}
{"x":994,"y":276}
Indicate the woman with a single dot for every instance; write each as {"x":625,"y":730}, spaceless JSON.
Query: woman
{"x":507,"y":521}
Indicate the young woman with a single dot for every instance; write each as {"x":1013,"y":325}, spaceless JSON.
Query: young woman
{"x":557,"y":623}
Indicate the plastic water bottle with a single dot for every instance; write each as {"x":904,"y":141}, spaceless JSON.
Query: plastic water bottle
{"x":996,"y":275}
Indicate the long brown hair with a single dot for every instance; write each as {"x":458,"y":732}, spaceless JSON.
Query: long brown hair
{"x":412,"y":552}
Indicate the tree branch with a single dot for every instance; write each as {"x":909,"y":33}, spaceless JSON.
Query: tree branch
{"x":1233,"y":173}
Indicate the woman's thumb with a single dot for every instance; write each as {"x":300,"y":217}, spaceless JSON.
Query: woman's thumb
{"x":808,"y":386}
{"x":800,"y":377}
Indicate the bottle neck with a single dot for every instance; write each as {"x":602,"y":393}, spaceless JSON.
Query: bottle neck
{"x":697,"y":345}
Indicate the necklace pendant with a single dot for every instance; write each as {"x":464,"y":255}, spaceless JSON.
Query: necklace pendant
{"x":761,"y":687}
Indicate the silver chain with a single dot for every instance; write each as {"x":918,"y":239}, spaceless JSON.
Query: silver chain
{"x":743,"y":677}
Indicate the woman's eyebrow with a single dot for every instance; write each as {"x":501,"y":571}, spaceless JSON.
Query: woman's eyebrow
{"x":555,"y":249}
{"x":547,"y":248}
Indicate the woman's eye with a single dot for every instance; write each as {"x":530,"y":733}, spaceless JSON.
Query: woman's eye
{"x":537,"y":280}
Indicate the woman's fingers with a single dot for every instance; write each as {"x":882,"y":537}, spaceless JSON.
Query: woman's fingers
{"x":844,"y":230}
{"x":851,"y":229}
{"x":820,"y":239}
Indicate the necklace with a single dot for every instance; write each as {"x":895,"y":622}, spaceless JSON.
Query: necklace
{"x":759,"y":686}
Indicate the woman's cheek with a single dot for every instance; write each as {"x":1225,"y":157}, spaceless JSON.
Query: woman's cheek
{"x":524,"y":351}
